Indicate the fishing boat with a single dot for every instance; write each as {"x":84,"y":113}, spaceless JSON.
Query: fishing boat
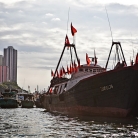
{"x":93,"y":90}
{"x":8,"y":99}
{"x":26,"y":100}
{"x":38,"y":100}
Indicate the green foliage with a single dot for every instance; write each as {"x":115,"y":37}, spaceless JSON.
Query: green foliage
{"x":9,"y":85}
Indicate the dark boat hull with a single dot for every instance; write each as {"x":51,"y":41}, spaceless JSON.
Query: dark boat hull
{"x":38,"y":104}
{"x":113,"y":93}
{"x":27,"y":104}
{"x":8,"y":103}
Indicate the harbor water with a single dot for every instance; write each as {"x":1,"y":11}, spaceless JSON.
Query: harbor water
{"x":37,"y":123}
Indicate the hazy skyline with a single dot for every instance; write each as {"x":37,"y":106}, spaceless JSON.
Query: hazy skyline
{"x":37,"y":29}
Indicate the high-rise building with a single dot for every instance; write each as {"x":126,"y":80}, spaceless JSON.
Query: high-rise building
{"x":1,"y":60}
{"x":3,"y":70}
{"x":4,"y":76}
{"x":10,"y":60}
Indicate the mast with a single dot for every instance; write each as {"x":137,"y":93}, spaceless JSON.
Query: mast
{"x":117,"y":53}
{"x":117,"y":44}
{"x":59,"y":60}
{"x":76,"y":53}
{"x":66,"y":45}
{"x":71,"y":55}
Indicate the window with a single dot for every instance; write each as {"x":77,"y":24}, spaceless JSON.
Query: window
{"x":80,"y":69}
{"x":86,"y":70}
{"x":56,"y":90}
{"x":65,"y":87}
{"x":60,"y":88}
{"x":94,"y":70}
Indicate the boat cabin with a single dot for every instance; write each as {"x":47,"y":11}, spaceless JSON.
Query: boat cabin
{"x":25,"y":96}
{"x":60,"y":85}
{"x":9,"y":93}
{"x":85,"y":70}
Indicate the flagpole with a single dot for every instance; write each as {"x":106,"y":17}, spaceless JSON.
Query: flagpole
{"x":74,"y":39}
{"x":68,"y":20}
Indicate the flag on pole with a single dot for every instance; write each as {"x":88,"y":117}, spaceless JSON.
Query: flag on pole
{"x":73,"y":30}
{"x":50,"y":90}
{"x":58,"y":74}
{"x":88,"y":59}
{"x":52,"y":73}
{"x":63,"y":70}
{"x":67,"y":40}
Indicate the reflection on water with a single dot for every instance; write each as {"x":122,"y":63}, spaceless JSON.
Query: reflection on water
{"x":36,"y":123}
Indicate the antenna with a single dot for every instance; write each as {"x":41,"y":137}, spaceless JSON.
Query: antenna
{"x":109,"y":24}
{"x":132,"y":48}
{"x":23,"y":84}
{"x":68,"y":20}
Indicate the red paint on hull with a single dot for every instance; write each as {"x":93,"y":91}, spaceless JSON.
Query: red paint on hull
{"x":91,"y":111}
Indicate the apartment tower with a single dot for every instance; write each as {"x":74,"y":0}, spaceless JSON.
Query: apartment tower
{"x":10,"y":60}
{"x":3,"y":70}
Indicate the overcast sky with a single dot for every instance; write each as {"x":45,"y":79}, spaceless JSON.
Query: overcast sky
{"x":37,"y":29}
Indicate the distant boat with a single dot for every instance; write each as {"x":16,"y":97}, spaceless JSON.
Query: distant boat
{"x":38,"y":100}
{"x":8,"y":99}
{"x":92,"y":90}
{"x":26,"y":100}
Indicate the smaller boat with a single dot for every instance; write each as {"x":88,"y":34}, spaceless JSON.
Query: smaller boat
{"x":38,"y":100}
{"x":8,"y":99}
{"x":26,"y":100}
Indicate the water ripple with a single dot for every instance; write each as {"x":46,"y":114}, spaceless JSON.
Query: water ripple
{"x":36,"y":123}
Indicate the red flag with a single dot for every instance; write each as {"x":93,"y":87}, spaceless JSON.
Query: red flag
{"x":87,"y":59}
{"x":76,"y":69}
{"x":52,"y":74}
{"x":50,"y":90}
{"x":75,"y":66}
{"x":67,"y":41}
{"x":73,"y":30}
{"x":58,"y":74}
{"x":63,"y":70}
{"x":136,"y":60}
{"x":68,"y":70}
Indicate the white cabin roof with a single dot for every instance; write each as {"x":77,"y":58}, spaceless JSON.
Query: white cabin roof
{"x":91,"y":66}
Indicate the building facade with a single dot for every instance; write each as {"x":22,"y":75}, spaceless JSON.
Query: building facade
{"x":4,"y":76}
{"x":10,"y":60}
{"x":1,"y":60}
